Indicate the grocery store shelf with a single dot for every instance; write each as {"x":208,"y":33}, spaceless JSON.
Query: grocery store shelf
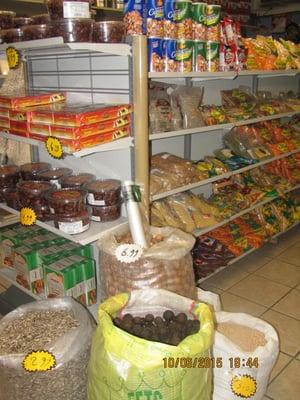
{"x":57,"y":44}
{"x":223,"y":75}
{"x":9,"y":276}
{"x":220,"y":127}
{"x":220,"y":177}
{"x":265,"y":118}
{"x":183,"y":132}
{"x":123,"y":143}
{"x":108,"y":9}
{"x":199,"y":232}
{"x":236,"y":259}
{"x":91,"y":235}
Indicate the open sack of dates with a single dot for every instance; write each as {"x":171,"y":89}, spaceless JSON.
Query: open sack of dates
{"x":136,"y":336}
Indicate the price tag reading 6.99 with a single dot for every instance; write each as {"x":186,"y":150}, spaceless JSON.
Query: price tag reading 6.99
{"x":128,"y":253}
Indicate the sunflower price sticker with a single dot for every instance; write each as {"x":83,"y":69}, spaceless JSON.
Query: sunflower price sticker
{"x":244,"y":386}
{"x":13,"y":57}
{"x":27,"y":216}
{"x":54,"y":147}
{"x":39,"y":361}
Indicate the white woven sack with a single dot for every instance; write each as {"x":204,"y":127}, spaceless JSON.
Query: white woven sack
{"x":209,"y":298}
{"x":243,"y":382}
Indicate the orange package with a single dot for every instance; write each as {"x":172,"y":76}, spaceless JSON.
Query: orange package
{"x":19,"y":102}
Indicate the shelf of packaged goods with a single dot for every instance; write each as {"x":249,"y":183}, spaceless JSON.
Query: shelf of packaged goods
{"x":183,"y":132}
{"x":57,"y":44}
{"x":220,"y":177}
{"x":220,"y":127}
{"x":223,"y":75}
{"x":8,"y":276}
{"x":91,"y":235}
{"x":119,"y":144}
{"x":236,"y":259}
{"x":108,"y":9}
{"x":199,"y":232}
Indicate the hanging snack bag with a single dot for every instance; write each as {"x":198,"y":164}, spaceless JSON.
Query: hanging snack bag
{"x":135,"y":17}
{"x":199,"y":18}
{"x":155,"y":14}
{"x":124,"y":366}
{"x":213,"y":17}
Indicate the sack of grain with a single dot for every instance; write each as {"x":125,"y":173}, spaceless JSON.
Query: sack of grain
{"x":166,"y":264}
{"x":124,"y":366}
{"x":248,"y":348}
{"x":44,"y":351}
{"x":210,"y":298}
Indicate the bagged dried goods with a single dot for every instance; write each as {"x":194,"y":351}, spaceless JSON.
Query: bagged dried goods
{"x":62,"y":329}
{"x":124,"y":366}
{"x":166,"y":264}
{"x":251,"y":345}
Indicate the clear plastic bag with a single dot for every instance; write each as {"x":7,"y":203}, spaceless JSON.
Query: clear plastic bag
{"x":165,"y":265}
{"x":66,"y":380}
{"x":189,"y":100}
{"x":124,"y":366}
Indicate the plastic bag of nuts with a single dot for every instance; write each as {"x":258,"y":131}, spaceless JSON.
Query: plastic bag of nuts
{"x":61,"y":327}
{"x":166,"y":264}
{"x":120,"y":356}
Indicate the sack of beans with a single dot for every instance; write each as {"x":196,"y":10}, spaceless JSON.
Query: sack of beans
{"x":166,"y":264}
{"x":248,"y":348}
{"x":44,"y":351}
{"x":145,"y":346}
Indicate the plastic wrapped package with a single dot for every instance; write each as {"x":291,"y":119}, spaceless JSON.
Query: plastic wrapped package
{"x":243,"y":337}
{"x":18,"y":102}
{"x":189,"y":100}
{"x":160,"y":112}
{"x":124,"y":366}
{"x":161,"y":181}
{"x":238,"y":98}
{"x":71,"y":351}
{"x":209,"y":254}
{"x":165,"y":265}
{"x":213,"y":115}
{"x":183,"y":170}
{"x":185,"y":211}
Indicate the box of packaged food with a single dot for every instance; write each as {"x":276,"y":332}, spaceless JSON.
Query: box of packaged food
{"x":4,"y":123}
{"x":18,"y":102}
{"x":4,"y":113}
{"x":29,"y":272}
{"x":17,"y":115}
{"x":64,"y":132}
{"x":86,"y":283}
{"x":60,"y":278}
{"x":72,"y":248}
{"x":78,"y":115}
{"x":19,"y":128}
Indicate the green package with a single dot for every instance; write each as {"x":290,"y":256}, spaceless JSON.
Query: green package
{"x":86,"y":281}
{"x":60,"y":278}
{"x":29,"y":271}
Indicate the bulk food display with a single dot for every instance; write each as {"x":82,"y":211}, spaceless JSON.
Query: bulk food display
{"x":115,"y":350}
{"x":61,"y":328}
{"x":49,"y":265}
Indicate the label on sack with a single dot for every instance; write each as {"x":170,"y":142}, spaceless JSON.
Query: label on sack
{"x":39,"y":361}
{"x":128,"y":253}
{"x":76,"y":9}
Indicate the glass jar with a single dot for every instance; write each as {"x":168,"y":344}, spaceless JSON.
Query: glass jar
{"x":9,"y":175}
{"x":18,"y":22}
{"x":6,"y":19}
{"x":11,"y":35}
{"x":108,"y":32}
{"x":35,"y":32}
{"x":40,"y":19}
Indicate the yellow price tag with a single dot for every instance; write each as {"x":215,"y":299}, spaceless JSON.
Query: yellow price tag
{"x":243,"y":386}
{"x":13,"y":57}
{"x":54,"y":147}
{"x":39,"y":361}
{"x":27,"y":216}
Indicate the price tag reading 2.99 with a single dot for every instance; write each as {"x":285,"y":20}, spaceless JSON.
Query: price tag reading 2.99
{"x":209,"y":362}
{"x":128,"y":253}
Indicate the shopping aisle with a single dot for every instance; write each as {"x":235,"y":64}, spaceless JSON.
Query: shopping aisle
{"x":267,"y":285}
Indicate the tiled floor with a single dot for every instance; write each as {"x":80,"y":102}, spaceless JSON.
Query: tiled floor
{"x":266,"y":284}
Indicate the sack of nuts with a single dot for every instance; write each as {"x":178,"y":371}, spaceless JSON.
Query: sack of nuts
{"x":166,"y":264}
{"x":45,"y":350}
{"x":148,"y":344}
